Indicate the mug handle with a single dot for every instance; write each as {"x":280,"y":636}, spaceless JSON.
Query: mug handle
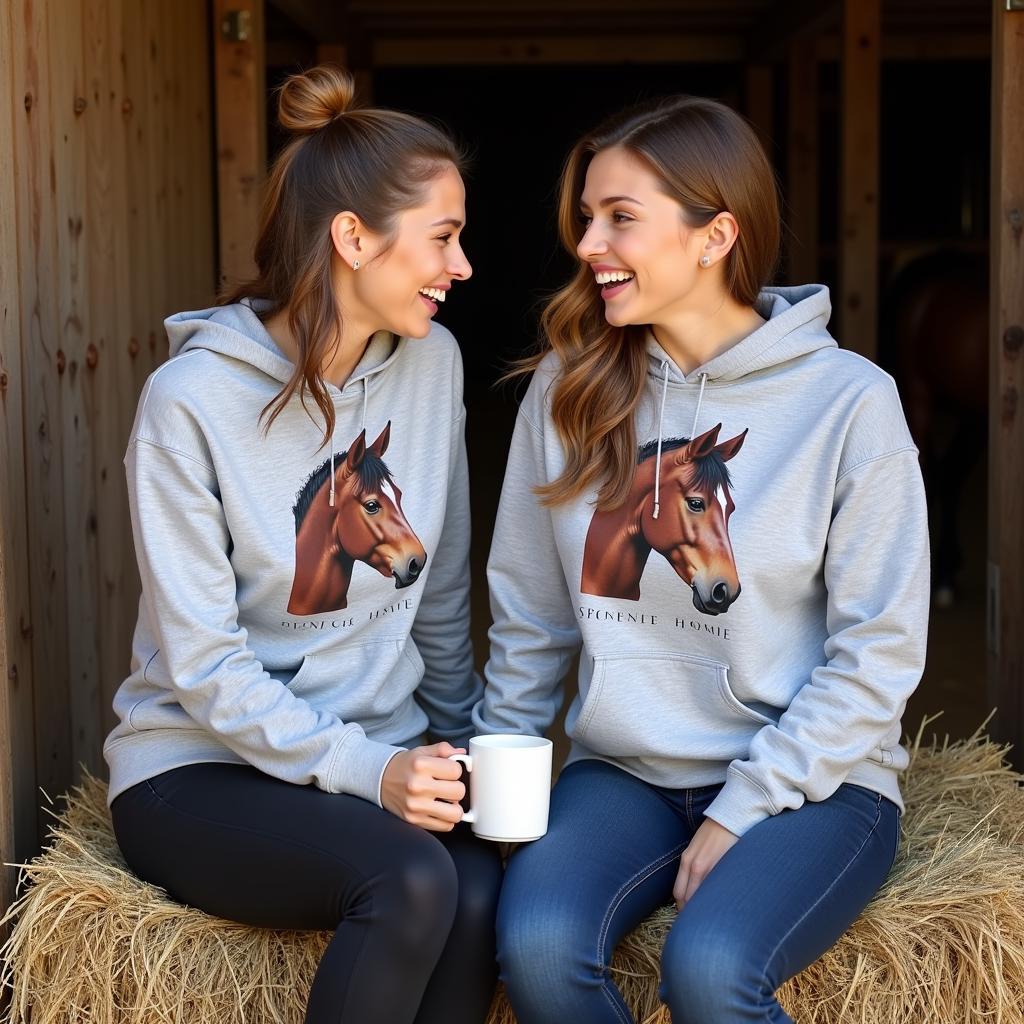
{"x":467,"y":760}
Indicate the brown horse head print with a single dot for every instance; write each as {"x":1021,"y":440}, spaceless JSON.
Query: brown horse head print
{"x":365,"y":524}
{"x":690,"y":529}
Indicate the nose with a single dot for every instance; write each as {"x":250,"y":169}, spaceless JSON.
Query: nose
{"x":590,"y":244}
{"x":459,"y":267}
{"x":414,"y":568}
{"x":720,"y":594}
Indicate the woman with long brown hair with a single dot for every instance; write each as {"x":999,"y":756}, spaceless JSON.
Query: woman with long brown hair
{"x":301,"y":667}
{"x":724,"y":511}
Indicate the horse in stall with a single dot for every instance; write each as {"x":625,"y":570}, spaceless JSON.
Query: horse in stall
{"x":365,"y":524}
{"x":690,"y":530}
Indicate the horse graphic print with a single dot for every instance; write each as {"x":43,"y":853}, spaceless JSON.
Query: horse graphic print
{"x":691,"y":530}
{"x":365,"y":524}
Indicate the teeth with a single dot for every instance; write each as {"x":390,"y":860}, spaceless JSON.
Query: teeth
{"x":607,"y":277}
{"x":437,"y":294}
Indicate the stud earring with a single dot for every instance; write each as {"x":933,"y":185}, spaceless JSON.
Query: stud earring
{"x":705,"y":260}
{"x":355,"y":264}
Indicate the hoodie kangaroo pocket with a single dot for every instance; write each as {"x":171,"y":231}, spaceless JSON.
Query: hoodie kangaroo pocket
{"x":365,"y":683}
{"x":664,"y":705}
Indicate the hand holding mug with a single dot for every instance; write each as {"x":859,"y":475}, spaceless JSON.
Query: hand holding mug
{"x":421,"y":786}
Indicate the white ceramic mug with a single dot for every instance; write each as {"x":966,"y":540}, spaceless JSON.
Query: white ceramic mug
{"x":509,"y":786}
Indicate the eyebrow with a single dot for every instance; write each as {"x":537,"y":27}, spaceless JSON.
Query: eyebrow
{"x":447,"y":220}
{"x":615,"y":199}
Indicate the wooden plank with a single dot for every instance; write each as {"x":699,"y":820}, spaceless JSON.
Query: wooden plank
{"x":35,"y":177}
{"x":201,"y":258}
{"x":802,"y":163}
{"x":107,"y":373}
{"x":157,"y":156}
{"x":72,"y":272}
{"x":552,"y":49}
{"x":240,"y":90}
{"x":858,"y":212}
{"x":18,"y":823}
{"x":920,"y":45}
{"x":1006,"y":368}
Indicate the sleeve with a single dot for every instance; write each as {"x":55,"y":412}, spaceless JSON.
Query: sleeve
{"x":534,"y":635}
{"x":877,"y":577}
{"x":450,"y":685}
{"x":182,"y":545}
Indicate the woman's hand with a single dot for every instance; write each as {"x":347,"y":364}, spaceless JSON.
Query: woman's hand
{"x":421,"y":786}
{"x":709,"y":842}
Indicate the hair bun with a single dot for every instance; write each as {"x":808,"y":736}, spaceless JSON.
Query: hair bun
{"x":313,"y":99}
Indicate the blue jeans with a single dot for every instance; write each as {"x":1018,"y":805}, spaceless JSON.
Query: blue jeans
{"x":773,"y":904}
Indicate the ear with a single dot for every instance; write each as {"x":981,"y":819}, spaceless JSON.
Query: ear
{"x":699,"y":446}
{"x":356,"y":452}
{"x":380,"y":446}
{"x":727,"y":449}
{"x":722,"y":233}
{"x":349,"y":237}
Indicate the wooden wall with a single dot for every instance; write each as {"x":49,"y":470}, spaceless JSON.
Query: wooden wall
{"x":106,"y":226}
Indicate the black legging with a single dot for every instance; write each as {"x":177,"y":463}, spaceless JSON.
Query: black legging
{"x":412,"y":911}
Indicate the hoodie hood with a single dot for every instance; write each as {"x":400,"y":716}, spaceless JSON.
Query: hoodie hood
{"x":237,"y":331}
{"x":795,"y":324}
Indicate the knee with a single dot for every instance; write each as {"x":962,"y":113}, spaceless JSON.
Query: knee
{"x":418,"y":895}
{"x":710,"y":973}
{"x":540,"y":950}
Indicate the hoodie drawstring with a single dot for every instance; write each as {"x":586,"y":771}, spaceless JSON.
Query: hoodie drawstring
{"x":366,"y":395}
{"x":700,"y":398}
{"x":331,"y":499}
{"x":661,"y":425}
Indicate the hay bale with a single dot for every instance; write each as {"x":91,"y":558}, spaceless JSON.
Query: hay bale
{"x":942,"y":942}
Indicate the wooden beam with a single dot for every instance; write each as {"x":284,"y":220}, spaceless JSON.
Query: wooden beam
{"x":918,"y":46}
{"x":1006,"y":383}
{"x":551,"y":49}
{"x":802,"y":163}
{"x":858,"y":213}
{"x":241,"y":97}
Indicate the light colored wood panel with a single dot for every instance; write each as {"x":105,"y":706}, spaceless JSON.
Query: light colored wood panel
{"x":240,"y":88}
{"x":108,"y":377}
{"x":17,"y":728}
{"x":36,"y":184}
{"x":157,"y":156}
{"x":858,"y":212}
{"x":73,"y":272}
{"x":1006,"y":394}
{"x":802,"y":164}
{"x":134,"y":60}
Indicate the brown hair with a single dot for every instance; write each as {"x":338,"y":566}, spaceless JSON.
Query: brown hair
{"x":709,"y":160}
{"x":375,"y":163}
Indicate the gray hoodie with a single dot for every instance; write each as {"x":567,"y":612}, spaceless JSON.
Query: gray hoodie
{"x":756,"y":613}
{"x":306,"y":621}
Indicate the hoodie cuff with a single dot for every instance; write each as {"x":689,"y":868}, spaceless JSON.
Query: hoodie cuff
{"x":359,"y":768}
{"x":740,"y":804}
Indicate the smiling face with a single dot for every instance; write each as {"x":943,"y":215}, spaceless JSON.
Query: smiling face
{"x":401,"y":290}
{"x":645,"y":258}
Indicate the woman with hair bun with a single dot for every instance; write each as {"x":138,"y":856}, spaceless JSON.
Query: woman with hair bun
{"x":724,"y":510}
{"x":301,"y":668}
